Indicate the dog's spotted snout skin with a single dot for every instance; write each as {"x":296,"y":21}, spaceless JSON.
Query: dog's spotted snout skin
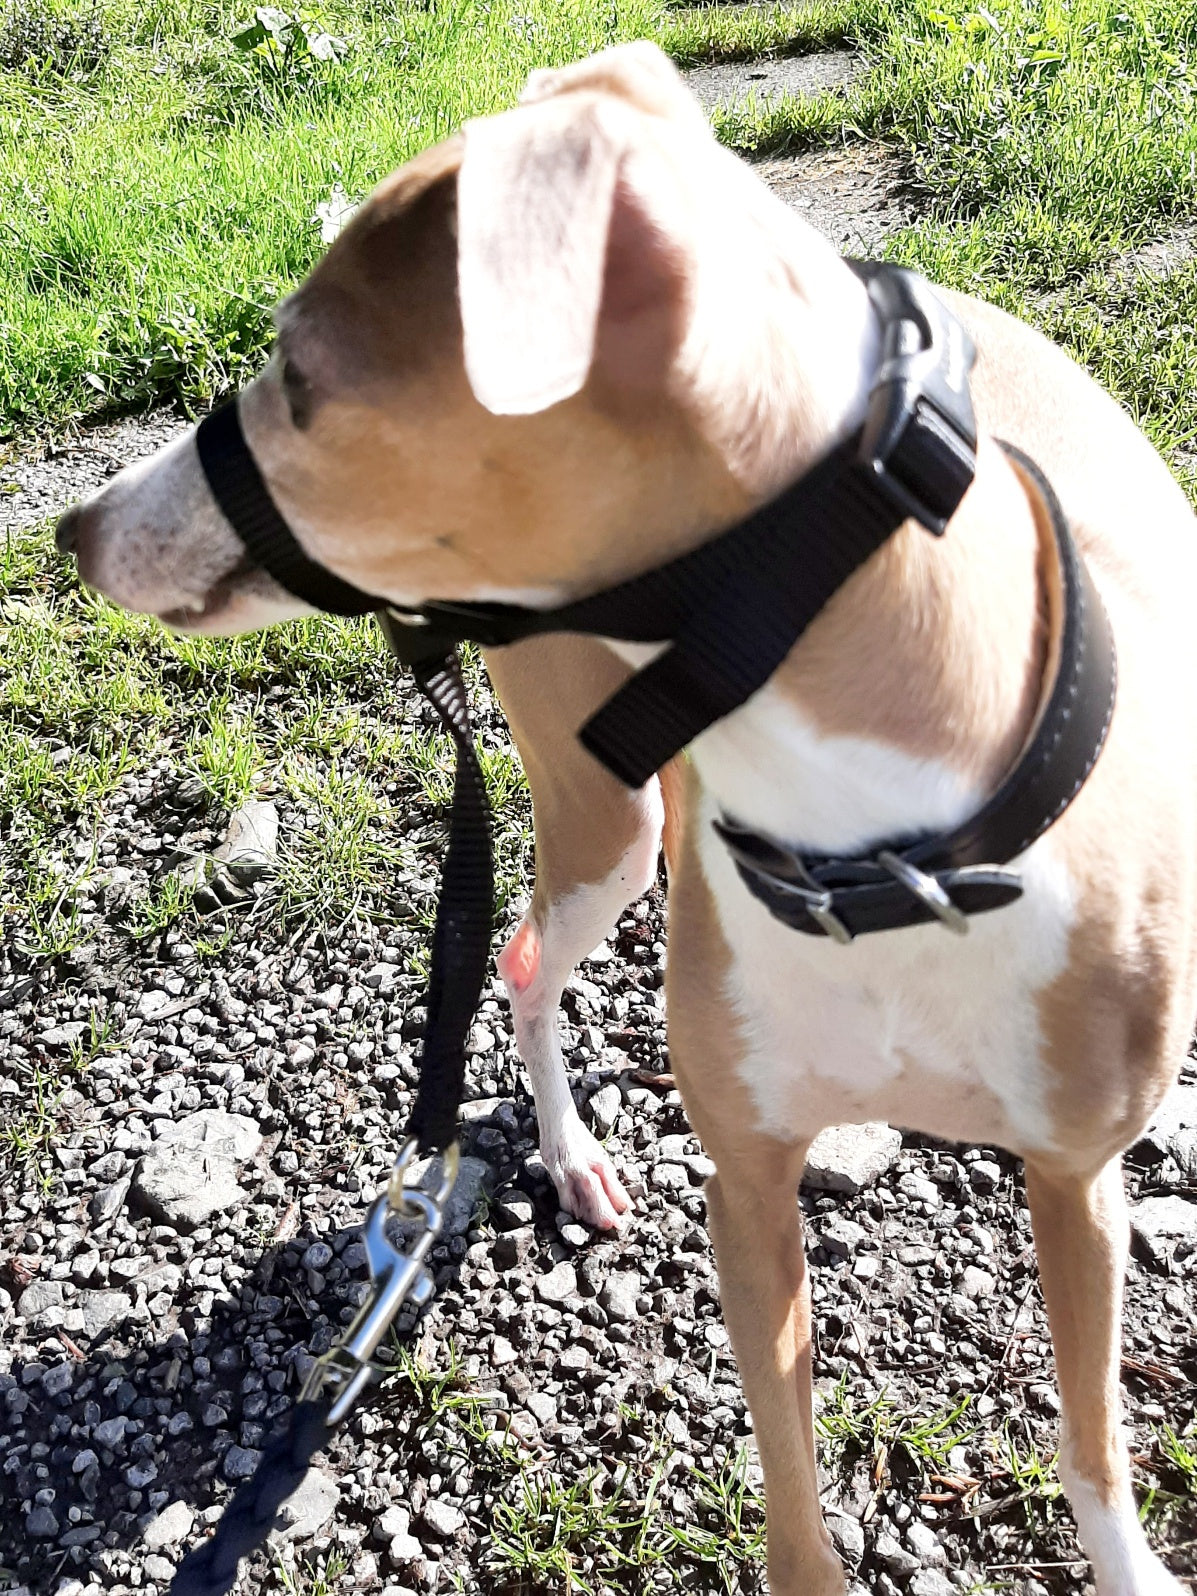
{"x":154,"y":541}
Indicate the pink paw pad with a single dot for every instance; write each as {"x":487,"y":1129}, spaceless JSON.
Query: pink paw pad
{"x":520,"y":959}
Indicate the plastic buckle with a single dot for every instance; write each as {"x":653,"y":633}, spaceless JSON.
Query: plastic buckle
{"x":919,"y":443}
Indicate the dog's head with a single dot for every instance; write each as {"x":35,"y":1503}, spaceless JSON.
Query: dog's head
{"x":509,"y":378}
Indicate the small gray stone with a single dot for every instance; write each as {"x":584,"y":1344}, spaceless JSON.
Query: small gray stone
{"x":604,"y":1109}
{"x":308,"y":1509}
{"x":1173,"y":1130}
{"x":442,"y":1518}
{"x":389,"y":1523}
{"x":842,"y":1236}
{"x":39,"y":1298}
{"x":472,"y":1176}
{"x":318,"y":1256}
{"x":541,"y":1406}
{"x":101,"y":1310}
{"x":847,"y":1535}
{"x":848,"y":1158}
{"x":618,"y":1297}
{"x":1162,"y":1224}
{"x":190,"y":1173}
{"x":514,"y":1210}
{"x":84,"y":1460}
{"x":234,"y":1136}
{"x":111,"y":1432}
{"x":977,"y":1283}
{"x":58,"y":1379}
{"x":894,"y":1557}
{"x":558,"y":1285}
{"x":171,"y":1527}
{"x":250,"y":847}
{"x":64,"y":1036}
{"x":240,"y":1462}
{"x":984,"y":1176}
{"x":81,"y":1535}
{"x":160,"y":1568}
{"x":405,"y":1550}
{"x":109,"y":1200}
{"x":924,"y":1543}
{"x":930,"y":1582}
{"x":40,"y":1524}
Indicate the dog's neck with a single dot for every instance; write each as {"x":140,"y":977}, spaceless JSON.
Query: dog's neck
{"x":911,"y":694}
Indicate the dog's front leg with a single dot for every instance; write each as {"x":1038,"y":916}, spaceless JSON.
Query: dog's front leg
{"x":597,"y":846}
{"x":756,"y":1227}
{"x":1081,"y":1236}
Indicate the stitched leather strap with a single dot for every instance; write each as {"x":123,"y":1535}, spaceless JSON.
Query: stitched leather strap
{"x":863,"y":893}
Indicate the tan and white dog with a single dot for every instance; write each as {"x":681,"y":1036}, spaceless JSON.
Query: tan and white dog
{"x":578,"y":339}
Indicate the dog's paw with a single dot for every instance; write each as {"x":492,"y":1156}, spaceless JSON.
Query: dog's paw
{"x":585,"y":1178}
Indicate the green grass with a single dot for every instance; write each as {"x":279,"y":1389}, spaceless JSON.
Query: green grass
{"x":159,"y":182}
{"x":880,"y":1432}
{"x":92,"y":698}
{"x":606,"y":1531}
{"x":158,"y":200}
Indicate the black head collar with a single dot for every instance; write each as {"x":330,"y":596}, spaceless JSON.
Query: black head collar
{"x":733,"y":608}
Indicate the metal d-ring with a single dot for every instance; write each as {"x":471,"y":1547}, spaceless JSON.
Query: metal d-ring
{"x":926,"y":889}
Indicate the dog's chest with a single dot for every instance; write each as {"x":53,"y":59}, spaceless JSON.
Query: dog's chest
{"x":921,"y":1027}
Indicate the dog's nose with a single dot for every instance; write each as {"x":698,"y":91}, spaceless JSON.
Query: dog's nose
{"x":66,"y":534}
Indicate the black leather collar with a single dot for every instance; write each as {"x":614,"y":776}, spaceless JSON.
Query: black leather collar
{"x":949,"y":875}
{"x":731,"y":610}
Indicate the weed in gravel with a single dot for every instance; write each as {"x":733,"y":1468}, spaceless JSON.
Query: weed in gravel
{"x":315,"y":1576}
{"x":29,"y":1129}
{"x":728,"y":1534}
{"x":226,"y":757}
{"x":879,"y":1431}
{"x":1032,"y":1474}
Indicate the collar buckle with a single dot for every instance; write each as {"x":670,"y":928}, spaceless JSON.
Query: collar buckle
{"x":919,"y":443}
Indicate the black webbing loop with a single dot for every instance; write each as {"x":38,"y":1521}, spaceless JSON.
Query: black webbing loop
{"x":237,"y":486}
{"x":249,"y":1516}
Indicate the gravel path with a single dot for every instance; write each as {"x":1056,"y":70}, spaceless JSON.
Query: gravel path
{"x":568,"y":1414}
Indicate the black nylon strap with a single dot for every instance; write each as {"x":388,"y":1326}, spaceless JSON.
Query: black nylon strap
{"x":237,"y":486}
{"x":464,"y":916}
{"x":731,"y":610}
{"x":862,"y":893}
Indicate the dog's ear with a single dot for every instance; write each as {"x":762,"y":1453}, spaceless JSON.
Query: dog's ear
{"x":561,"y":252}
{"x":640,"y":73}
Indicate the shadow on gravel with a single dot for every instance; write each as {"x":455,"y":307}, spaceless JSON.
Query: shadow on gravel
{"x":147,"y":1418}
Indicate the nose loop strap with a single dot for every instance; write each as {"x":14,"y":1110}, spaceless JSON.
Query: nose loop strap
{"x":238,"y":487}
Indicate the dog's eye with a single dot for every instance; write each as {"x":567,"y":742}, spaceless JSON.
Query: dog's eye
{"x":299,"y":393}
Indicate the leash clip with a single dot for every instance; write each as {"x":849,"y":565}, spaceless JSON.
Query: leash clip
{"x":397,"y":1277}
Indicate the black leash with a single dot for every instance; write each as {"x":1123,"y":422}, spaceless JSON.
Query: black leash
{"x":460,"y":950}
{"x":249,"y":1515}
{"x":729,"y":612}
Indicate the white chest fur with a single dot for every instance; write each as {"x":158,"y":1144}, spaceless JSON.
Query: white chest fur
{"x":921,"y":1027}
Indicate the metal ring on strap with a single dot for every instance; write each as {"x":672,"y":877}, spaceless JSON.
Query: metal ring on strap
{"x":926,"y":889}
